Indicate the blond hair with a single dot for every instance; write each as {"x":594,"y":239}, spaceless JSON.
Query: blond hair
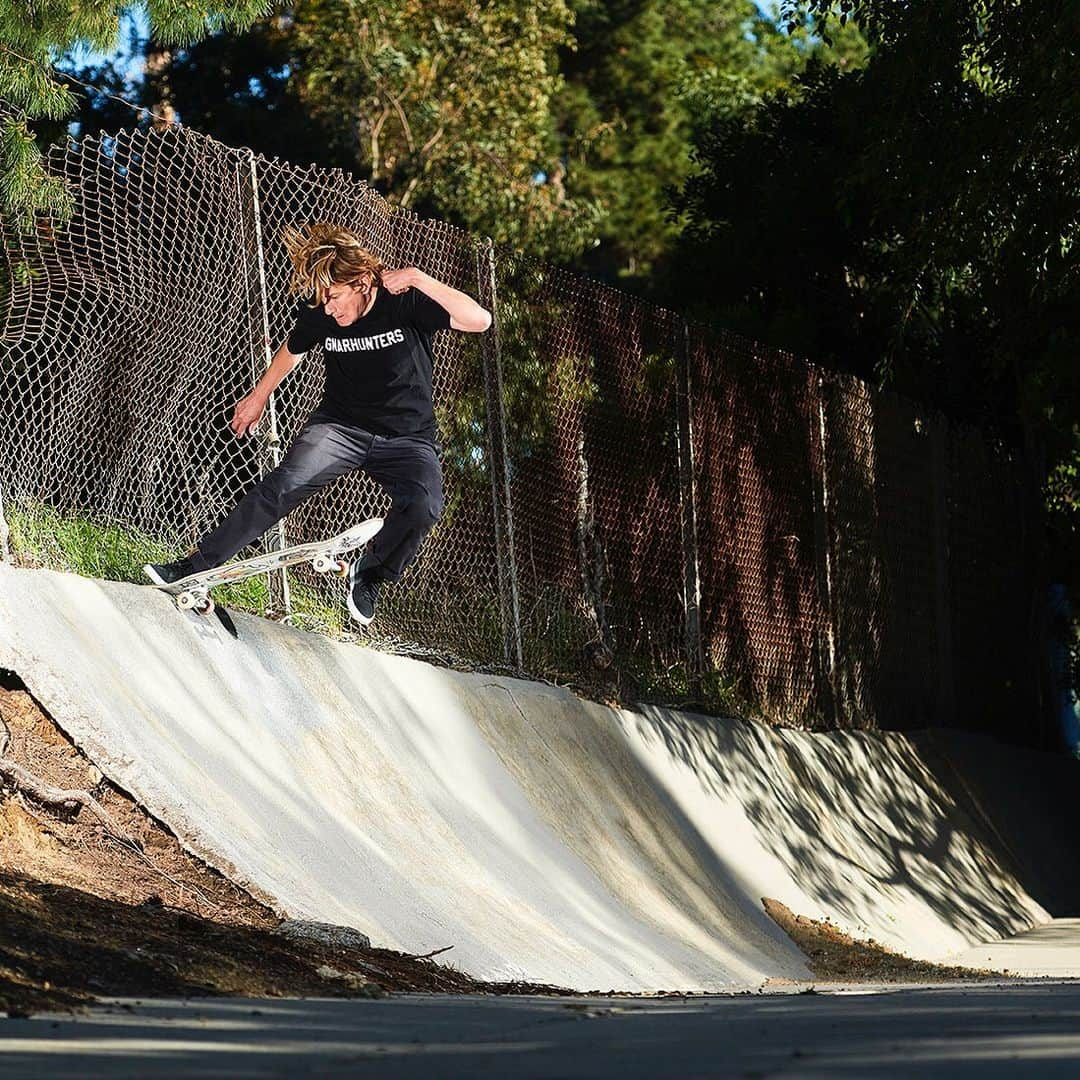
{"x":323,"y":254}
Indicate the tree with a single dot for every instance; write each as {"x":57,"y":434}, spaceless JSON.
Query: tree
{"x":638,"y":74}
{"x":915,"y":221}
{"x":445,"y":106}
{"x":570,"y":143}
{"x":240,"y":89}
{"x":32,"y":39}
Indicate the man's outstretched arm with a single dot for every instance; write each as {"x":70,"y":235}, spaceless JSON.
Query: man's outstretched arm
{"x":465,"y":313}
{"x":249,"y":410}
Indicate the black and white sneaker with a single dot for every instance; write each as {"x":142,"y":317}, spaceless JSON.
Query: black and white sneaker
{"x":363,"y":593}
{"x":167,"y":573}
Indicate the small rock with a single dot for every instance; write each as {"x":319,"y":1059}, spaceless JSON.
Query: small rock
{"x":357,"y":984}
{"x":324,"y":933}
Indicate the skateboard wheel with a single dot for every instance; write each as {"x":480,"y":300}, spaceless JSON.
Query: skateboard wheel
{"x":323,"y":564}
{"x":186,"y":601}
{"x":342,"y":568}
{"x":206,"y":608}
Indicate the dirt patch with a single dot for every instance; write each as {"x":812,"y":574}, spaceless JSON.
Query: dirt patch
{"x":133,"y":861}
{"x":115,"y":906}
{"x":834,"y":956}
{"x":62,"y":947}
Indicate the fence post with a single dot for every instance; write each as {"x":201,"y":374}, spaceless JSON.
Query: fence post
{"x":498,"y":459}
{"x":5,"y":532}
{"x":276,"y":536}
{"x":684,"y":435}
{"x":823,"y":565}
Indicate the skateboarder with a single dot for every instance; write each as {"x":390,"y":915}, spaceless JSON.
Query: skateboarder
{"x":375,"y":326}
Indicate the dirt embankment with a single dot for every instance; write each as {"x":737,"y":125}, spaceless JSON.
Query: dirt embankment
{"x":834,"y":956}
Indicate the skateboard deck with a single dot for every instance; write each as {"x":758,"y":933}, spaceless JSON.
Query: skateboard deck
{"x":192,"y":593}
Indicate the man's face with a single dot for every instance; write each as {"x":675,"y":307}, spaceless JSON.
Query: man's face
{"x":344,"y":303}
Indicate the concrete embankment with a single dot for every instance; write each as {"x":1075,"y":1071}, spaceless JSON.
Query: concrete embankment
{"x":542,"y":836}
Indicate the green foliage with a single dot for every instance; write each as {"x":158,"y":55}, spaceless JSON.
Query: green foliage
{"x":44,"y":536}
{"x":1062,"y":495}
{"x":1063,"y":487}
{"x":25,"y":190}
{"x":714,"y":693}
{"x":33,"y":37}
{"x":638,"y":75}
{"x":913,"y":220}
{"x":540,"y":373}
{"x":445,"y":105}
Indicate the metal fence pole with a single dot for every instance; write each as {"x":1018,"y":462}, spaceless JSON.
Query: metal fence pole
{"x":829,"y":692}
{"x":684,"y":434}
{"x":276,"y":536}
{"x":498,"y":457}
{"x":5,"y":532}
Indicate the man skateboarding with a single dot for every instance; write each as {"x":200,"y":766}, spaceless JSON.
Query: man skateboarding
{"x":375,"y":326}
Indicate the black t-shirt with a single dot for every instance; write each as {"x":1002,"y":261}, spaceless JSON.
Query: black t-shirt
{"x":378,"y":369}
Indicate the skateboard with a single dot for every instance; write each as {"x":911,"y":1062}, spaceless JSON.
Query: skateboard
{"x":192,"y":593}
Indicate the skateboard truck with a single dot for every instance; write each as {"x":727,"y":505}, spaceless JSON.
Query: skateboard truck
{"x":200,"y":603}
{"x":325,"y":564}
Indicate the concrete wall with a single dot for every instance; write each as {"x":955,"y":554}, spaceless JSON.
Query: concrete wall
{"x":543,"y":836}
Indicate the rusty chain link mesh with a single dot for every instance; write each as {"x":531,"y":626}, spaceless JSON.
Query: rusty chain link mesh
{"x":589,"y":388}
{"x":755,"y":436}
{"x":888,"y":546}
{"x":127,"y":336}
{"x":853,"y":563}
{"x":688,"y":513}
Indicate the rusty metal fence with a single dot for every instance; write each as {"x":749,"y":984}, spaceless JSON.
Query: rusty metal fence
{"x":634,"y":504}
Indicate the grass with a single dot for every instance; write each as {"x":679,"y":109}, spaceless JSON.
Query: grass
{"x":45,"y":537}
{"x":42,"y":536}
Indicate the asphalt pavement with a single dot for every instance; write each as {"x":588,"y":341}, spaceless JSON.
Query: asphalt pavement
{"x":1030,"y":1029}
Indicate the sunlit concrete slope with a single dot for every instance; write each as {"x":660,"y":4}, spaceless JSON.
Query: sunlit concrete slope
{"x":541,"y":836}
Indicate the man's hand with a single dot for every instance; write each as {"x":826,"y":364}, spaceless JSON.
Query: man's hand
{"x":397,"y":281}
{"x":248,"y":413}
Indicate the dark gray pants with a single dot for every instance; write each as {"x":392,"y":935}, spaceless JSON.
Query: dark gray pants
{"x":408,"y":468}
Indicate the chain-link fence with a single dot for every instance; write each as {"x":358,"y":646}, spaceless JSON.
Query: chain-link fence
{"x":632,"y":503}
